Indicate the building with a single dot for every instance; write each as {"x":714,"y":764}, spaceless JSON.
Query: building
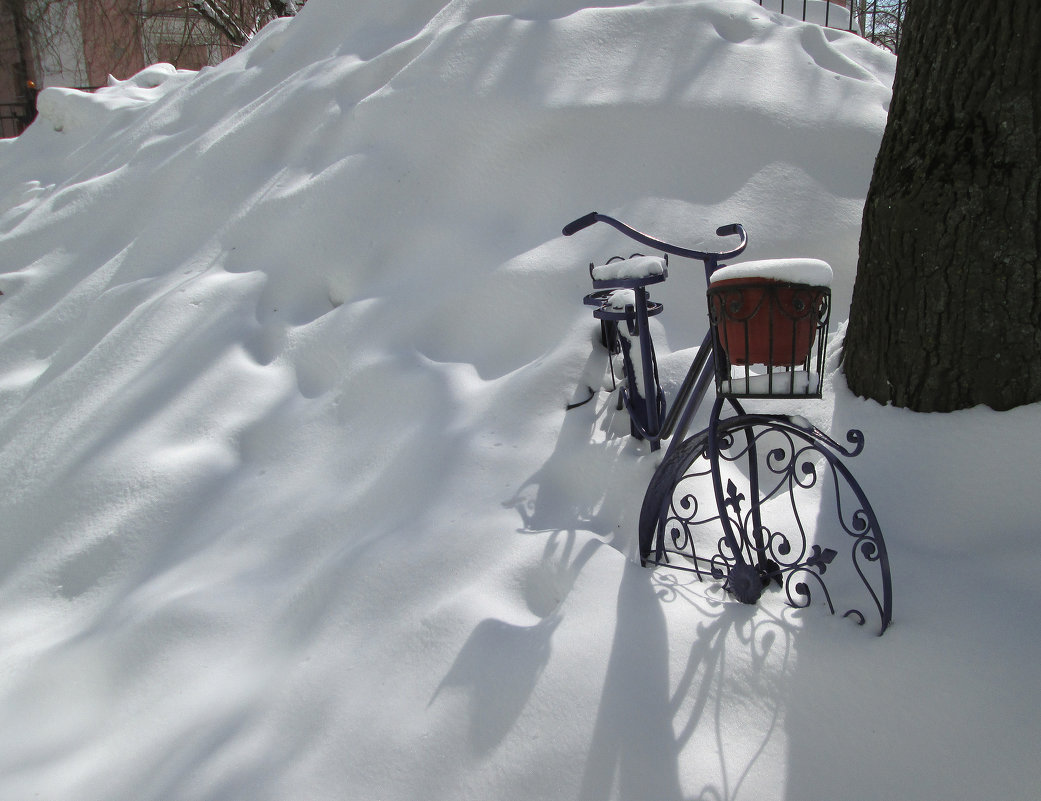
{"x":80,"y":43}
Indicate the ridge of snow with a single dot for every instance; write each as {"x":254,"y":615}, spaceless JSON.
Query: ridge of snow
{"x":293,"y":508}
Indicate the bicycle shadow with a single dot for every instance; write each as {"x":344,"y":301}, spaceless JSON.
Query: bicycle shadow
{"x":719,"y":721}
{"x":633,"y":752}
{"x":726,"y":704}
{"x":649,"y":725}
{"x":499,"y":666}
{"x":594,"y":478}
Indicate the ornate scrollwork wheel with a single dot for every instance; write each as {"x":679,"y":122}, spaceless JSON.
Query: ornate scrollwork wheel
{"x":768,"y":501}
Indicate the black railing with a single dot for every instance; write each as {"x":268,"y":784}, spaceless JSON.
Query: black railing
{"x":15,"y":118}
{"x":878,"y":21}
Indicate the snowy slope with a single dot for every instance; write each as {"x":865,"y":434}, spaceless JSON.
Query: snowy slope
{"x":291,"y":505}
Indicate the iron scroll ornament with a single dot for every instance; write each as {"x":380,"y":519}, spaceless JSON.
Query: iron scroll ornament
{"x":690,"y":522}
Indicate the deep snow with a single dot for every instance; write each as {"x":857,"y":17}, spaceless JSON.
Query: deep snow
{"x":292,"y":508}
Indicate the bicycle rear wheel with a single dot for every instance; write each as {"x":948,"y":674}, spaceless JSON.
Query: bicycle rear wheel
{"x":769,"y":500}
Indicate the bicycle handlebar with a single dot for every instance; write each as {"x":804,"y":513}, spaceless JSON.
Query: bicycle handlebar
{"x":575,"y":226}
{"x":734,"y":229}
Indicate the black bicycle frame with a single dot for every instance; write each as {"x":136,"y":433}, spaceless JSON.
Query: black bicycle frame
{"x":702,"y":370}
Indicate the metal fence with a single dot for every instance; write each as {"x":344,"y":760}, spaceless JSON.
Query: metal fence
{"x":15,"y":118}
{"x":878,"y":21}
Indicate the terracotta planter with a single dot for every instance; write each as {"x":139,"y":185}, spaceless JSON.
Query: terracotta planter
{"x":761,"y":321}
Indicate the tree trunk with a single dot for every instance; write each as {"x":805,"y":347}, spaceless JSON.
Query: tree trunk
{"x":946,"y":309}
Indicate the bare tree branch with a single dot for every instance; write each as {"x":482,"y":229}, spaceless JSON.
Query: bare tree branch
{"x":285,"y":8}
{"x":218,"y":16}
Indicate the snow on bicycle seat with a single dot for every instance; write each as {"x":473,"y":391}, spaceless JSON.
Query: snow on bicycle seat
{"x":794,"y":271}
{"x":620,"y":298}
{"x":620,"y":304}
{"x":635,"y":271}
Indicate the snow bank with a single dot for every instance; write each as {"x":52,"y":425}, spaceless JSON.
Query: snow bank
{"x":69,"y":109}
{"x":292,"y":506}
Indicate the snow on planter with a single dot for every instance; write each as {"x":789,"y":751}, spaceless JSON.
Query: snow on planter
{"x":796,"y":271}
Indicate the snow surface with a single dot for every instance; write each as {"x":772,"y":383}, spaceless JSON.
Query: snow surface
{"x":292,"y":508}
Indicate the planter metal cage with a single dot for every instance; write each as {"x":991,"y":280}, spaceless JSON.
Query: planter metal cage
{"x":769,"y":338}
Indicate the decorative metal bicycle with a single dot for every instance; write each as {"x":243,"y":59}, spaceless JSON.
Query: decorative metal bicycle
{"x":767,"y":338}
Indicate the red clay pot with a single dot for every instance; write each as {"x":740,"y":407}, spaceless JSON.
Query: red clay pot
{"x":766,"y":322}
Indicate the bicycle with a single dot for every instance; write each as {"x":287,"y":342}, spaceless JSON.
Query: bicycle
{"x":766,"y":339}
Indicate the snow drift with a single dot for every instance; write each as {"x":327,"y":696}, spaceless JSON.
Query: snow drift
{"x":291,"y":504}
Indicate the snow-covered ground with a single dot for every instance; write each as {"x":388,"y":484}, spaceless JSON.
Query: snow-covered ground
{"x":290,"y":505}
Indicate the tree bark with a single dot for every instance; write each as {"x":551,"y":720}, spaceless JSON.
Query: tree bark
{"x":946,"y":309}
